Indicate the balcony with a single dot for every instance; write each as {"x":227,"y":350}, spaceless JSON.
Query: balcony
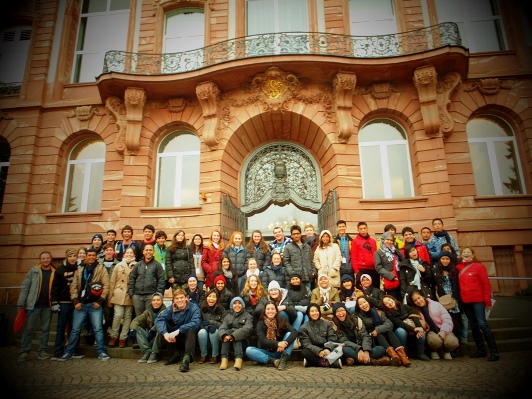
{"x":310,"y":54}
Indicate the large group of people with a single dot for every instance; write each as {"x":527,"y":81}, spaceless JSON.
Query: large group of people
{"x":341,"y":300}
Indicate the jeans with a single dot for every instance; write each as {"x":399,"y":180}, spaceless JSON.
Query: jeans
{"x":64,"y":316}
{"x":204,"y":337}
{"x":262,"y":355}
{"x":376,"y":352}
{"x":149,"y":341}
{"x":80,"y":316}
{"x":300,"y":316}
{"x":186,"y":339}
{"x":476,"y":316}
{"x":45,"y":316}
{"x":141,"y":303}
{"x":122,"y":316}
{"x":238,"y":348}
{"x":403,"y":336}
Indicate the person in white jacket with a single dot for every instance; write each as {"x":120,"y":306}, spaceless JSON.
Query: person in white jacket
{"x":328,"y":258}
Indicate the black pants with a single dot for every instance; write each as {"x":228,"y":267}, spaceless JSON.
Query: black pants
{"x":186,"y":340}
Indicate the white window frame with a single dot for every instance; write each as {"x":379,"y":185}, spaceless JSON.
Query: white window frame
{"x":76,"y":67}
{"x":86,"y":179}
{"x":178,"y":183}
{"x":383,"y":153}
{"x":492,"y":159}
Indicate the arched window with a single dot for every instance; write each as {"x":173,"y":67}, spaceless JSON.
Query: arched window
{"x":5,"y":154}
{"x":103,"y":26}
{"x":85,"y":177}
{"x":494,"y":156}
{"x":385,"y":160}
{"x":178,"y":170}
{"x":184,"y":30}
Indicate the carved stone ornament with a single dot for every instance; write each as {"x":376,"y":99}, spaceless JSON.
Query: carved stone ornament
{"x":280,"y":172}
{"x":275,"y":88}
{"x":128,"y":117}
{"x":343,"y":90}
{"x":491,"y":86}
{"x":84,"y":114}
{"x":208,"y":94}
{"x":434,"y":98}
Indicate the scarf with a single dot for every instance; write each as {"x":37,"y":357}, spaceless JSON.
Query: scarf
{"x":237,"y":249}
{"x":277,"y":269}
{"x":325,"y":294}
{"x":271,"y":329}
{"x":417,"y":276}
{"x":377,"y":320}
{"x":250,"y":273}
{"x":228,"y":274}
{"x":443,"y":234}
{"x":388,"y":251}
{"x":348,"y":293}
{"x":253,"y":298}
{"x":428,"y":319}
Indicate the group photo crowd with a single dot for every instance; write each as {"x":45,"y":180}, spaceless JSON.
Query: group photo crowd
{"x":341,"y":299}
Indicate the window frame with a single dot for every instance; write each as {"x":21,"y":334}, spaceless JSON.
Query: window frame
{"x":86,"y":188}
{"x":492,"y":155}
{"x":179,"y":156}
{"x":385,"y":165}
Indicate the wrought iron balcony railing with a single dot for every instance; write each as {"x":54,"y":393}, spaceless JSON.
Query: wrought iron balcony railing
{"x":9,"y":89}
{"x":292,"y":43}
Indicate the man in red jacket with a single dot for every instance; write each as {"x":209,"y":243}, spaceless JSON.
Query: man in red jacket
{"x":363,"y":248}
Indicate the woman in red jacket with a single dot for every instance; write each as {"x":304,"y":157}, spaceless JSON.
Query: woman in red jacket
{"x":475,"y":293}
{"x":211,"y":257}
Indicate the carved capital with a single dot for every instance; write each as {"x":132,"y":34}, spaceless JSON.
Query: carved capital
{"x":426,"y":79}
{"x":344,"y":89}
{"x":208,"y":94}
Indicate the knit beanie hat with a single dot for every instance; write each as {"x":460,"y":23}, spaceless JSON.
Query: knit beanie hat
{"x":446,"y":253}
{"x":220,"y":278}
{"x":346,"y":277}
{"x":157,"y":294}
{"x":98,"y":235}
{"x":192,"y":275}
{"x":337,"y":306}
{"x":295,"y":274}
{"x":71,"y":251}
{"x":239,"y":299}
{"x":274,"y":285}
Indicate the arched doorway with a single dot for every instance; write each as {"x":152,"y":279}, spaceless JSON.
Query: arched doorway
{"x":280,"y":185}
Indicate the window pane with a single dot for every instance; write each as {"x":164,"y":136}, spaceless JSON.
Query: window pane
{"x":399,"y":171}
{"x":507,"y":164}
{"x":89,"y":150}
{"x":486,"y":36}
{"x":94,"y":6}
{"x":190,"y":180}
{"x":372,"y":172}
{"x":95,"y":187}
{"x":5,"y":150}
{"x":484,"y":127}
{"x":75,"y":188}
{"x":481,"y":168}
{"x":184,"y":31}
{"x":293,"y":16}
{"x":180,"y":143}
{"x":167,"y":178}
{"x":119,"y":5}
{"x":3,"y":179}
{"x":260,"y":17}
{"x":379,"y":131}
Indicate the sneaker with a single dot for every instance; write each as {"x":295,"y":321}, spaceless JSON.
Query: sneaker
{"x":434,"y":356}
{"x":121,"y":343}
{"x":112,"y":341}
{"x":23,"y":357}
{"x":304,"y":362}
{"x":144,"y":358}
{"x":154,"y":358}
{"x":43,"y":355}
{"x":447,"y":356}
{"x":55,"y":358}
{"x":104,"y":356}
{"x":65,"y":357}
{"x":77,"y":355}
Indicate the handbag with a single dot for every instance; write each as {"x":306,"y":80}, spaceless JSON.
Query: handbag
{"x":19,"y":320}
{"x":447,"y":301}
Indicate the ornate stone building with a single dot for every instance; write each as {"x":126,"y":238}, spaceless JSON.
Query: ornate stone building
{"x":209,"y":114}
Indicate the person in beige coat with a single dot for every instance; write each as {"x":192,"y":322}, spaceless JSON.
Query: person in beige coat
{"x":328,"y":258}
{"x":120,"y":299}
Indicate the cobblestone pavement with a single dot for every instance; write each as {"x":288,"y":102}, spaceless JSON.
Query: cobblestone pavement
{"x":125,"y":378}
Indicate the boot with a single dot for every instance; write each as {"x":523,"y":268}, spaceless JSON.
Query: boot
{"x":395,"y":361}
{"x":174,"y":359}
{"x":274,"y":362}
{"x":282,"y":362}
{"x":238,"y":364}
{"x":494,"y":352}
{"x":224,"y":363}
{"x":420,"y":352}
{"x":479,"y":341}
{"x":402,"y":356}
{"x":383,"y":361}
{"x":185,"y":365}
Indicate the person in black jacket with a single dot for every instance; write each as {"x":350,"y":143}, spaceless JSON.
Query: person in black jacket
{"x":212,"y":314}
{"x":179,"y":264}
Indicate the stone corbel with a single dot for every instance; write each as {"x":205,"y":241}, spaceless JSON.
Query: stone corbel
{"x":128,"y":117}
{"x":344,"y":89}
{"x":446,"y":87}
{"x":426,"y":79}
{"x":208,"y":94}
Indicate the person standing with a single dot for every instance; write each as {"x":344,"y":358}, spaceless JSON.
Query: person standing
{"x":89,"y":290}
{"x":258,"y":249}
{"x":149,"y":239}
{"x":278,"y":244}
{"x":328,"y":258}
{"x":344,"y":242}
{"x":298,"y":258}
{"x":146,"y":278}
{"x":475,"y":293}
{"x":61,"y":302}
{"x":34,"y":298}
{"x":212,"y":254}
{"x":179,"y":264}
{"x":362,"y":249}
